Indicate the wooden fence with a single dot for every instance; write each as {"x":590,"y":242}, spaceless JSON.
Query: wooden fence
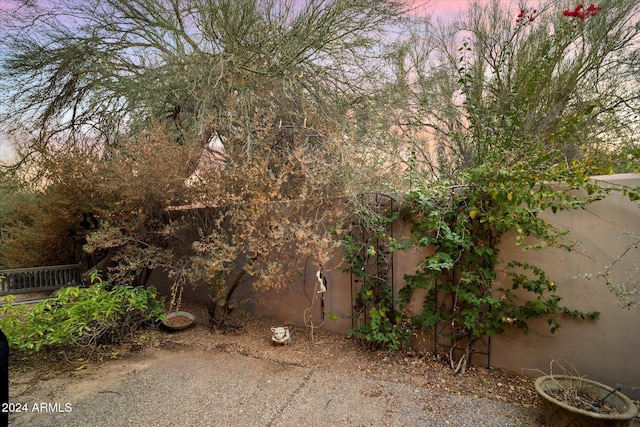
{"x":37,"y":279}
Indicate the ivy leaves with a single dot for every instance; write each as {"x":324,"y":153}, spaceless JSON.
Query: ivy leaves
{"x":463,"y":223}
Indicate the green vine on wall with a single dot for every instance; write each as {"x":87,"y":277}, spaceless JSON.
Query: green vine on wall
{"x":380,"y":324}
{"x":463,"y":224}
{"x":523,"y":140}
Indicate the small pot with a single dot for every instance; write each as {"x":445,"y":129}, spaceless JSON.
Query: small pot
{"x":560,"y":414}
{"x":178,"y":320}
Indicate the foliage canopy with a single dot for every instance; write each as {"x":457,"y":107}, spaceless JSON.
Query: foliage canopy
{"x":139,"y":111}
{"x":522,"y":105}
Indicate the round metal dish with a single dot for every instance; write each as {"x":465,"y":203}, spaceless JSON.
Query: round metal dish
{"x":178,"y":320}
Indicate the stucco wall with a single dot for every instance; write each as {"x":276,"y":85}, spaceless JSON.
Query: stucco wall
{"x":608,"y":349}
{"x":605,"y":350}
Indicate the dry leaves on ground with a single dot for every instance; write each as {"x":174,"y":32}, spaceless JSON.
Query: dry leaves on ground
{"x":329,"y":351}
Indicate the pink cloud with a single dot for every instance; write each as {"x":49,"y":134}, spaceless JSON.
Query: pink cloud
{"x":441,"y":8}
{"x":8,"y":5}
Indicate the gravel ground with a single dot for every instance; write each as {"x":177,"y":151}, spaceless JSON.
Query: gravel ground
{"x":196,"y":378}
{"x":193,"y":387}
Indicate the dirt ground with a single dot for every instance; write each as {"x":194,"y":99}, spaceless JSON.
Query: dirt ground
{"x":72,"y":376}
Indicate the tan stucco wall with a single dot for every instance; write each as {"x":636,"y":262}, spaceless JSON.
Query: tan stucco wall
{"x":606,"y":350}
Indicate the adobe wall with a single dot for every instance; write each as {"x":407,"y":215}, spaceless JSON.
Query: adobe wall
{"x":605,"y":350}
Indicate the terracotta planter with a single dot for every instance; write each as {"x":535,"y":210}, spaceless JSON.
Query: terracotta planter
{"x":560,"y":414}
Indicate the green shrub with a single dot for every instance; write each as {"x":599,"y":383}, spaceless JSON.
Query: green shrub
{"x":385,"y":330}
{"x":80,"y":317}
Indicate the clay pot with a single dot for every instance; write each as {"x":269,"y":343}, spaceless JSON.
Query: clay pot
{"x":561,"y":414}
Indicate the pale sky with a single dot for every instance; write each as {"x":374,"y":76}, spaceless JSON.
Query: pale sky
{"x":444,"y":7}
{"x":440,"y":8}
{"x":421,"y":6}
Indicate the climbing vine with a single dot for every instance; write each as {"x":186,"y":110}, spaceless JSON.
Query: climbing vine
{"x":463,"y":223}
{"x":517,"y":131}
{"x":377,"y":320}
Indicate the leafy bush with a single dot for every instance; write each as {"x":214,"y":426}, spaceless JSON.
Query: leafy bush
{"x":463,"y":225}
{"x":385,"y":330}
{"x":380,"y":322}
{"x":80,"y":317}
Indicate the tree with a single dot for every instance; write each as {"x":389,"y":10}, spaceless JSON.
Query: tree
{"x":506,"y":81}
{"x":537,"y":100}
{"x":104,"y":68}
{"x":211,"y":120}
{"x":510,"y":111}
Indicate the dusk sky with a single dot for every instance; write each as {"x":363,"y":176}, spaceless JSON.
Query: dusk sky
{"x":443,"y":6}
{"x":429,"y":6}
{"x":439,"y":8}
